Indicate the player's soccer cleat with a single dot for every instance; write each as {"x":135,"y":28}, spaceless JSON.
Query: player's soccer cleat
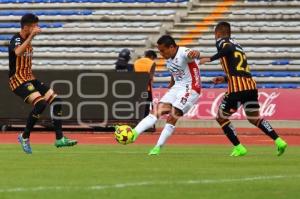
{"x":281,"y":146}
{"x":65,"y":142}
{"x":25,"y":144}
{"x":155,"y":151}
{"x":135,"y":135}
{"x":239,"y":150}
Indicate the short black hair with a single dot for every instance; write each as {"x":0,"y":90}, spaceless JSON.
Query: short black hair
{"x":167,"y":40}
{"x":223,"y":28}
{"x":150,"y":54}
{"x":28,"y":19}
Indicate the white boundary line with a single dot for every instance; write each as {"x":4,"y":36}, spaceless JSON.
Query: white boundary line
{"x":140,"y":184}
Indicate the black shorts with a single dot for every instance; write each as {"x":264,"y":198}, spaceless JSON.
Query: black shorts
{"x":232,"y":101}
{"x":29,"y":87}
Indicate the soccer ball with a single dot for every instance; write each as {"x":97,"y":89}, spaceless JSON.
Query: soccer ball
{"x":123,"y":134}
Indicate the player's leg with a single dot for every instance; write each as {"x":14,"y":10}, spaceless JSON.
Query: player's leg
{"x":251,"y":107}
{"x":163,"y":107}
{"x":151,"y":119}
{"x":185,"y":100}
{"x":167,"y":131}
{"x":56,"y":112}
{"x":30,"y":95}
{"x":228,"y":106}
{"x":39,"y":105}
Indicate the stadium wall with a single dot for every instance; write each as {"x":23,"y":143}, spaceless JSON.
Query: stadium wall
{"x":90,"y":97}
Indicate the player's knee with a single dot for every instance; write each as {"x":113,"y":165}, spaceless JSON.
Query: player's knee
{"x":162,"y":110}
{"x":39,"y":107}
{"x":253,"y":120}
{"x":171,"y":120}
{"x":221,"y":119}
{"x":253,"y":116}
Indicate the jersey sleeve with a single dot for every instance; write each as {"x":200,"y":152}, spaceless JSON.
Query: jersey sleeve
{"x":185,"y":55}
{"x":226,"y":49}
{"x":15,"y":42}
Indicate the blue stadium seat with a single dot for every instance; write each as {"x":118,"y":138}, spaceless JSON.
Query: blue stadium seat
{"x":160,"y":85}
{"x":212,"y":73}
{"x":42,"y":25}
{"x":162,"y":74}
{"x":3,"y":49}
{"x":281,"y":62}
{"x":278,"y":85}
{"x":207,"y":85}
{"x":9,"y":25}
{"x":45,"y":12}
{"x":93,"y":1}
{"x":275,"y":73}
{"x":5,"y":37}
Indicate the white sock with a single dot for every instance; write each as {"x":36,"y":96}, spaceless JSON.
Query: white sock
{"x":165,"y":134}
{"x":146,"y":123}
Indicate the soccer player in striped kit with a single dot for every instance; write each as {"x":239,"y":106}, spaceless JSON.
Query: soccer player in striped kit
{"x":242,"y":90}
{"x":23,"y":83}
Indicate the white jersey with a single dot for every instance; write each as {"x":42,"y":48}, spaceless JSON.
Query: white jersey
{"x":185,"y":71}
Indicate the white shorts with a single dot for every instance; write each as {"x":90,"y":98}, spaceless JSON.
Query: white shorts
{"x":181,"y":98}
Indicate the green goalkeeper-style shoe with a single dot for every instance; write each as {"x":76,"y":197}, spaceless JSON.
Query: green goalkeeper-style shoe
{"x":239,"y":150}
{"x":281,"y":146}
{"x":155,"y":151}
{"x":65,"y":142}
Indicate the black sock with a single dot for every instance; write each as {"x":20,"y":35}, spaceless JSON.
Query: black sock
{"x":58,"y":129}
{"x":267,"y":129}
{"x":31,"y":120}
{"x":33,"y":117}
{"x":57,"y":113}
{"x":230,"y":133}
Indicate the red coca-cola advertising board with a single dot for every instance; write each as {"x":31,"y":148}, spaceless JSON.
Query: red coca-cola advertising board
{"x":276,"y":104}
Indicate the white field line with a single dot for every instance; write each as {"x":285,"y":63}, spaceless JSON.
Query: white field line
{"x":140,"y":184}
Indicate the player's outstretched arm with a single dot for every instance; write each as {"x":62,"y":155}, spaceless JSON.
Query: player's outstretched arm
{"x":21,"y":49}
{"x":204,"y":60}
{"x":219,"y":80}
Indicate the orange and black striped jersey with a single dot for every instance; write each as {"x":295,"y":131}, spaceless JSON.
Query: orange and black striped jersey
{"x":234,"y":63}
{"x":19,"y":66}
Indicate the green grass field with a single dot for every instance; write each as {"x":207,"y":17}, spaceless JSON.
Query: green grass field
{"x":121,"y":172}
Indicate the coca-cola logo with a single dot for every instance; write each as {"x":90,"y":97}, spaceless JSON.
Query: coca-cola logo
{"x":266,"y":102}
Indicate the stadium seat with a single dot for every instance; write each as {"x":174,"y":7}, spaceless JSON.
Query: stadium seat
{"x":3,"y":49}
{"x":269,"y":35}
{"x":5,"y":37}
{"x":45,"y":12}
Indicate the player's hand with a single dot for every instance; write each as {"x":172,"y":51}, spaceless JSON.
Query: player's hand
{"x":204,"y":60}
{"x":218,"y":80}
{"x":194,"y":54}
{"x":36,"y":30}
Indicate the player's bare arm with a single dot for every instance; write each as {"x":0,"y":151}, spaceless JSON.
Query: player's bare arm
{"x":172,"y":82}
{"x":204,"y":60}
{"x":225,"y":51}
{"x":219,"y":80}
{"x":21,"y":49}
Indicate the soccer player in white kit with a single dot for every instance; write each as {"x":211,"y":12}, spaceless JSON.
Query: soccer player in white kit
{"x":184,"y":89}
